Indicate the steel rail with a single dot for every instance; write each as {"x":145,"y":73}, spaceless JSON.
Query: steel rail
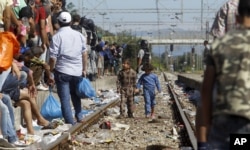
{"x":88,"y":121}
{"x":189,"y":129}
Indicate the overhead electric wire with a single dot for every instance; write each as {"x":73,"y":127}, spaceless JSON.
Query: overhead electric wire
{"x":148,"y":10}
{"x":93,"y":8}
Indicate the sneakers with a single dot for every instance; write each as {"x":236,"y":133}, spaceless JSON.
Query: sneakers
{"x":41,"y":87}
{"x":147,"y":116}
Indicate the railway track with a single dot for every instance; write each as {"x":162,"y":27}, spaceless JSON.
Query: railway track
{"x":142,"y":134}
{"x":62,"y":142}
{"x":181,"y":109}
{"x":182,"y":121}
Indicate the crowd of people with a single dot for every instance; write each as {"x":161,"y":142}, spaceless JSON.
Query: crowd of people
{"x":49,"y":47}
{"x":29,"y":23}
{"x":51,"y":51}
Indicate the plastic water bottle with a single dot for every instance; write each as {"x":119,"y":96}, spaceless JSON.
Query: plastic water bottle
{"x":25,"y":21}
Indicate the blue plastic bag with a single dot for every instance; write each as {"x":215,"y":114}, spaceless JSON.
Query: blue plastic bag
{"x":51,"y":108}
{"x":85,"y":89}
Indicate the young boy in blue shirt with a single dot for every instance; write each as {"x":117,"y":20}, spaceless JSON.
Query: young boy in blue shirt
{"x":149,"y":81}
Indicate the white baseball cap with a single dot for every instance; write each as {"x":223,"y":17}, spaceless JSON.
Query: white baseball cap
{"x":64,"y":17}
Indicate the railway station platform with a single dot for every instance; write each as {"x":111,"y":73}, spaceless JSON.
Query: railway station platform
{"x":191,"y":80}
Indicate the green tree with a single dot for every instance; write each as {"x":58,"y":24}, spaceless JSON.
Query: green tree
{"x":71,"y":8}
{"x":132,"y":47}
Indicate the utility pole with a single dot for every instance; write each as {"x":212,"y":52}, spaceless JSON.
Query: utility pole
{"x":181,"y":11}
{"x":201,"y":15}
{"x":171,"y":58}
{"x":103,"y":14}
{"x":82,"y":14}
{"x":207,"y":31}
{"x":158,"y":25}
{"x":80,"y":5}
{"x":193,"y":59}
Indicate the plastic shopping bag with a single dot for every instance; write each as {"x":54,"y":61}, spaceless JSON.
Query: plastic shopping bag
{"x":85,"y":89}
{"x":51,"y":108}
{"x":9,"y":47}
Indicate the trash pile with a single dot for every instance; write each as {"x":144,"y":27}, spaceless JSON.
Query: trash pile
{"x":43,"y":137}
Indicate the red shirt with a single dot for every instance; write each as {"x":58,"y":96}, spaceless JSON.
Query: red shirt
{"x":40,"y":13}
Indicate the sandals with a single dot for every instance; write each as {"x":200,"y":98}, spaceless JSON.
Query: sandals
{"x":51,"y":125}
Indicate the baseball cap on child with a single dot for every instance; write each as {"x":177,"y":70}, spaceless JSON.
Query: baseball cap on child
{"x":64,"y":17}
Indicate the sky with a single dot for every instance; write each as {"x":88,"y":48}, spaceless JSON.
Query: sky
{"x":143,"y":14}
{"x":151,"y":15}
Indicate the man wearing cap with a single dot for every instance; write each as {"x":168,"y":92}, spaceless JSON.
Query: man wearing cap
{"x":68,"y":61}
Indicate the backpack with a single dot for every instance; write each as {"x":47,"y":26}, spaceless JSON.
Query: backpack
{"x":9,"y":47}
{"x":146,"y":56}
{"x":89,"y":26}
{"x":77,"y":27}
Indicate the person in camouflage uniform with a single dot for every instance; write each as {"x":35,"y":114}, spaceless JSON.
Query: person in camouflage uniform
{"x":228,"y":68}
{"x":126,"y":84}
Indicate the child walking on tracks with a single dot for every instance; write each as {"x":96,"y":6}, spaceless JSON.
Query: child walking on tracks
{"x":149,"y":81}
{"x":126,"y":84}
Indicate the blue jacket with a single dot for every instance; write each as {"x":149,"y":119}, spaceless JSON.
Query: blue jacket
{"x":149,"y":82}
